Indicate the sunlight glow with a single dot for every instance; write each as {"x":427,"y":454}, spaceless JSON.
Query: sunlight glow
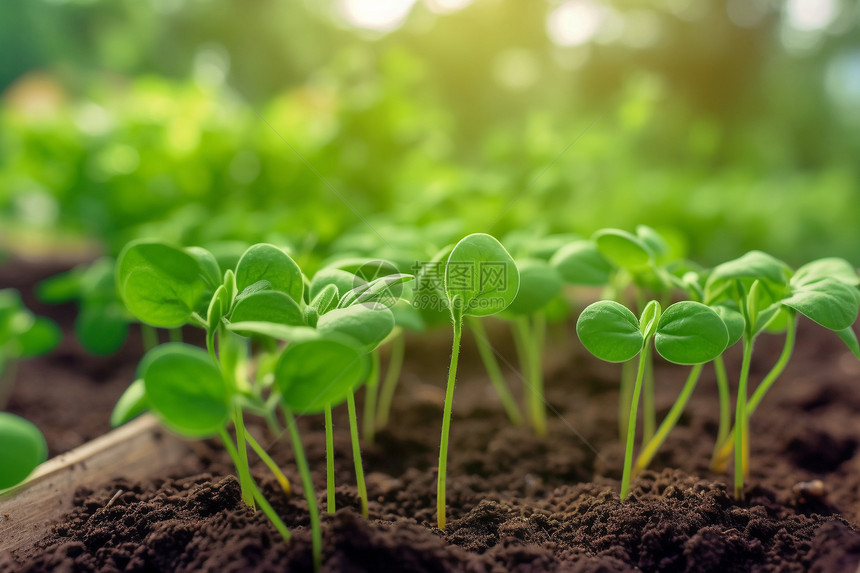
{"x":378,"y":15}
{"x":574,"y":22}
{"x":446,"y":6}
{"x":810,"y":15}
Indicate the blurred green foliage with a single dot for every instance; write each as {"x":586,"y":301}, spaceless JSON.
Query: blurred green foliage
{"x":200,"y":122}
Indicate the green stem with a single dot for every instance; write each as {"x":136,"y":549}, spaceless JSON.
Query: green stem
{"x":625,"y":396}
{"x":742,"y":421}
{"x":371,"y":392}
{"x":651,"y":446}
{"x":725,"y":400}
{"x":392,"y":377}
{"x":329,"y":461}
{"x":308,"y":486}
{"x":257,"y":494}
{"x":631,"y":422}
{"x":649,"y":409}
{"x":446,"y":419}
{"x":356,"y":453}
{"x":494,"y":371}
{"x":531,"y":365}
{"x":243,"y":466}
{"x":175,"y":334}
{"x":149,"y":335}
{"x":270,"y":463}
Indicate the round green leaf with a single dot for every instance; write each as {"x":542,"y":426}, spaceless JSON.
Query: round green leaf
{"x":185,"y":389}
{"x":829,"y":302}
{"x":101,"y":329}
{"x":481,"y":278}
{"x":208,"y":265}
{"x":367,"y":324}
{"x":610,"y":331}
{"x":22,"y":448}
{"x":341,"y":279}
{"x":754,"y":265}
{"x":43,"y":336}
{"x":316,"y":373}
{"x":733,"y":320}
{"x":624,"y":249}
{"x":131,"y":404}
{"x":830,"y":267}
{"x":580,"y":263}
{"x":161,"y":285}
{"x":268,"y":305}
{"x":264,"y":262}
{"x":539,"y":284}
{"x":690,"y":333}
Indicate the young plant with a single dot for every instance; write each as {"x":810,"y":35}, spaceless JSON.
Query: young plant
{"x":22,"y":335}
{"x":770,"y":296}
{"x":481,"y":279}
{"x":686,"y":333}
{"x":22,"y":448}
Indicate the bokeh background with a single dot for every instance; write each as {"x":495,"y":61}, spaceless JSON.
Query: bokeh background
{"x":726,"y":124}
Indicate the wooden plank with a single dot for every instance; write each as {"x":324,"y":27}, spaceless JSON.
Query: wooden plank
{"x":134,"y":451}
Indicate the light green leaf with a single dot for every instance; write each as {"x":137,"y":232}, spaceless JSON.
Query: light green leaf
{"x":649,"y":318}
{"x":733,"y":320}
{"x":610,"y":331}
{"x":754,"y":265}
{"x":850,"y":339}
{"x":264,"y":262}
{"x":101,"y":328}
{"x":22,"y":448}
{"x":268,"y":306}
{"x":829,"y":302}
{"x":539,"y":284}
{"x":208,"y":265}
{"x":272,"y":330}
{"x":185,"y":389}
{"x":690,"y":333}
{"x":580,"y":263}
{"x":481,"y":278}
{"x":368,"y":325}
{"x":831,"y":267}
{"x":131,"y":404}
{"x":623,"y":249}
{"x":43,"y":336}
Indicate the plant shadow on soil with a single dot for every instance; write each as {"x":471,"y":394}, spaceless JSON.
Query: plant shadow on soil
{"x":515,"y":502}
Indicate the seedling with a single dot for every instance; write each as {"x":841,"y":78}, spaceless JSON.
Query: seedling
{"x":686,"y":333}
{"x":481,"y":279}
{"x":22,"y":448}
{"x":22,"y":335}
{"x":770,"y":295}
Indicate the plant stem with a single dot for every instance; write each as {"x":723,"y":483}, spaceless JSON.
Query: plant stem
{"x":649,"y":409}
{"x":175,"y":334}
{"x":531,"y":363}
{"x":149,"y":336}
{"x":243,"y":467}
{"x":742,"y":421}
{"x":308,"y":486}
{"x":257,"y":494}
{"x":725,"y":400}
{"x":725,"y":446}
{"x":631,"y":422}
{"x":356,"y":454}
{"x":494,"y":371}
{"x":625,"y":396}
{"x":446,"y":419}
{"x":371,"y":391}
{"x":270,"y":463}
{"x":329,"y":461}
{"x":651,"y":446}
{"x":392,"y":377}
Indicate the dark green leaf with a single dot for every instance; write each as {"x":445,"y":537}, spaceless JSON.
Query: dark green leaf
{"x":102,"y":329}
{"x":610,"y":331}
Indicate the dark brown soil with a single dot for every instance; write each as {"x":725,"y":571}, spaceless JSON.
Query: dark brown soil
{"x":515,"y":502}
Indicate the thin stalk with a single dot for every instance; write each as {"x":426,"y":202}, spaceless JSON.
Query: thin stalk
{"x":149,"y":336}
{"x":329,"y":461}
{"x":631,"y":422}
{"x":742,"y":421}
{"x":724,"y":448}
{"x":257,"y":494}
{"x":446,"y":419}
{"x":531,"y":365}
{"x":356,"y":454}
{"x":270,"y":463}
{"x":175,"y":334}
{"x":625,"y":396}
{"x":494,"y":371}
{"x":651,"y":446}
{"x":308,"y":486}
{"x":392,"y":377}
{"x":725,"y":400}
{"x":368,"y":421}
{"x":649,"y":408}
{"x":243,"y":466}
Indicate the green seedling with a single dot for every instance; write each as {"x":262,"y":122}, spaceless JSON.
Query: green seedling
{"x":686,"y":333}
{"x":481,"y":279}
{"x":22,"y":448}
{"x":22,"y":335}
{"x":770,"y":297}
{"x":102,"y":322}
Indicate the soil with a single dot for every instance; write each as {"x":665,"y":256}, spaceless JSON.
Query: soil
{"x":515,"y":502}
